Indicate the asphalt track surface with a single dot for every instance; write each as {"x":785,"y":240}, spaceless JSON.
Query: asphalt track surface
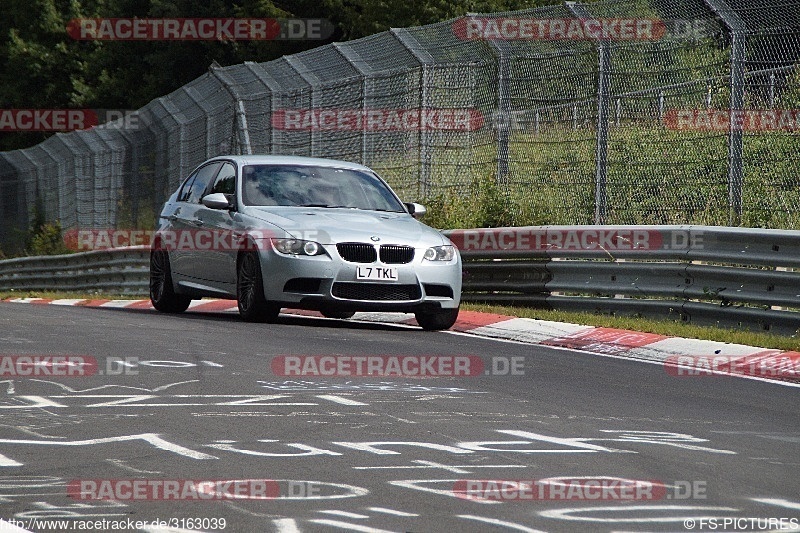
{"x":199,"y":400}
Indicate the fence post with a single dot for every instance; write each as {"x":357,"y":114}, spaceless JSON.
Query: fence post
{"x":238,"y":106}
{"x":273,"y":88}
{"x":735,"y":174}
{"x":503,"y":109}
{"x":356,"y":62}
{"x":603,"y":89}
{"x":426,"y":61}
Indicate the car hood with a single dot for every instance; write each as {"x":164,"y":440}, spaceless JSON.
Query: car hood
{"x":332,"y":225}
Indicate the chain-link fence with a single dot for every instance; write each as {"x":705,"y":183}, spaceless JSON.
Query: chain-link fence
{"x":616,"y":112}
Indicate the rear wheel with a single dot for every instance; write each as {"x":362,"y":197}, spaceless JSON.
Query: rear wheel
{"x":437,"y":320}
{"x":162,"y":293}
{"x":253,"y":305}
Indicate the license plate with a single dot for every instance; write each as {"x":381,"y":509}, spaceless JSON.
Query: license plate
{"x":376,"y":273}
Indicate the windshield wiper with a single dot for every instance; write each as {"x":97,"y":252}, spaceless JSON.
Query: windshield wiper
{"x":325,"y":205}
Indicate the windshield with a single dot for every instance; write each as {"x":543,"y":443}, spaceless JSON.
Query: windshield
{"x":315,"y":186}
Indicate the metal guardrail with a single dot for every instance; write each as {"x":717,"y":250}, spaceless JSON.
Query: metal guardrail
{"x":117,"y":271}
{"x":728,"y":277}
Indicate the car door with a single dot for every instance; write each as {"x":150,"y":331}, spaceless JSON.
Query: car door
{"x":219,"y":265}
{"x":184,"y":254}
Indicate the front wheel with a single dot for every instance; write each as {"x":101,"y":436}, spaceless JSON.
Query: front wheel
{"x":253,"y":305}
{"x":437,"y":320}
{"x":162,"y":292}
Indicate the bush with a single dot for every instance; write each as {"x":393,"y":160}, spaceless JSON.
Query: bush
{"x":47,"y":240}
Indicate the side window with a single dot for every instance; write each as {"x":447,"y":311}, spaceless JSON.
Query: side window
{"x":201,"y":181}
{"x":226,"y":181}
{"x":184,"y":193}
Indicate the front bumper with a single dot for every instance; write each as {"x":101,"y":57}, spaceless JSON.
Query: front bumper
{"x":329,"y":282}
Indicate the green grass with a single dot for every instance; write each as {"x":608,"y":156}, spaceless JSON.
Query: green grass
{"x":662,"y":327}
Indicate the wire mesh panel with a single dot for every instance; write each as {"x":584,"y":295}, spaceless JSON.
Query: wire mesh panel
{"x":12,"y":203}
{"x":616,"y":111}
{"x":771,"y":136}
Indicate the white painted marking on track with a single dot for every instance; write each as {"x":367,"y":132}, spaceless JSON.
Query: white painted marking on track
{"x":151,"y":438}
{"x":344,"y":513}
{"x":394,"y":512}
{"x":574,"y":443}
{"x":37,"y":402}
{"x":569,"y":513}
{"x":415,"y":484}
{"x":10,"y":389}
{"x":7,"y":461}
{"x":121,"y":463}
{"x":339,"y":399}
{"x":456,"y":469}
{"x":502,"y":523}
{"x":780,"y":502}
{"x":102,"y":387}
{"x":286,"y":525}
{"x":350,"y":527}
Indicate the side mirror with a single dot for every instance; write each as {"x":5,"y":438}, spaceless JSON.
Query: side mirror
{"x":416,"y":210}
{"x":216,"y":200}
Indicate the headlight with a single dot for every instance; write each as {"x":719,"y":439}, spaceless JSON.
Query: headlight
{"x":440,"y":253}
{"x":297,"y":247}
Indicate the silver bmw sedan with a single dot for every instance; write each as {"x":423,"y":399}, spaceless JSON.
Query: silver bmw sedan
{"x":299,"y":232}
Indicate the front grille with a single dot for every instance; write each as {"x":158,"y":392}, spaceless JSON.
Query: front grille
{"x":392,"y":253}
{"x":357,"y":252}
{"x":375,"y":291}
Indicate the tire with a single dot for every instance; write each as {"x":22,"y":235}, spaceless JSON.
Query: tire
{"x":162,"y":293}
{"x":253,"y":306}
{"x":437,"y":320}
{"x":342,"y":315}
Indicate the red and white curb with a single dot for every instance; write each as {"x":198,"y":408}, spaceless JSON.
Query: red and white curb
{"x":610,"y":342}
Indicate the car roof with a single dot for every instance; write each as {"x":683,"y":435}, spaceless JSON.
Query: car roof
{"x":290,"y":160}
